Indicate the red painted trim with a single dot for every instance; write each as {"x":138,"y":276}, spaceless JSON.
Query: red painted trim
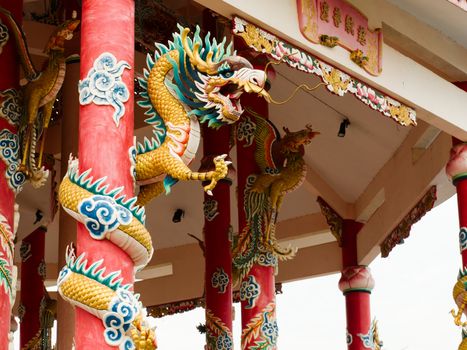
{"x":102,"y":145}
{"x":350,"y":229}
{"x":32,"y":286}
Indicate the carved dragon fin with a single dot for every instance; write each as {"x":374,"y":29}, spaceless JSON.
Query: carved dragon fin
{"x":266,"y":135}
{"x":21,"y":46}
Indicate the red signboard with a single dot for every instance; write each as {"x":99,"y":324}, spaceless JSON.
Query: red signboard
{"x":335,"y":22}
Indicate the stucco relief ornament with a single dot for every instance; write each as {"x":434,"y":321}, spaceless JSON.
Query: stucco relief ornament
{"x":25,"y":251}
{"x":218,"y":335}
{"x":463,"y":238}
{"x":6,"y":238}
{"x":456,"y":168}
{"x":9,"y":153}
{"x":6,"y":276}
{"x":220,"y":280}
{"x":356,"y":278}
{"x":210,"y":209}
{"x":42,"y":269}
{"x":11,"y":106}
{"x":102,"y":215}
{"x":250,"y":291}
{"x":4,"y":36}
{"x":246,"y":131}
{"x":104,"y":85}
{"x":349,"y":338}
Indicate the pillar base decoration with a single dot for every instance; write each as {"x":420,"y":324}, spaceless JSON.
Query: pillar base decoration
{"x":356,"y":279}
{"x":456,"y":168}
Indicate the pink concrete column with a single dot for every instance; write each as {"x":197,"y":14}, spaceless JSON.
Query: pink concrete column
{"x":32,"y":283}
{"x":105,"y":136}
{"x":9,"y":148}
{"x":356,"y":283}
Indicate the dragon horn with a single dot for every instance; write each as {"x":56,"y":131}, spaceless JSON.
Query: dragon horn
{"x":195,"y":59}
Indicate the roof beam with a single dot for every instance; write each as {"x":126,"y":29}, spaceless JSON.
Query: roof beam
{"x":401,"y":77}
{"x":404,"y":182}
{"x":317,"y":186}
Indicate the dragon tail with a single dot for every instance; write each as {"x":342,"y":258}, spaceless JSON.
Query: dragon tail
{"x":21,"y":46}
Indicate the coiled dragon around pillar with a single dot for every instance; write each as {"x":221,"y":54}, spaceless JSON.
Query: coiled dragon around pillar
{"x":189,"y":81}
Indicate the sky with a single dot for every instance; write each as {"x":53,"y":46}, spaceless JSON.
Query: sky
{"x":411,"y":300}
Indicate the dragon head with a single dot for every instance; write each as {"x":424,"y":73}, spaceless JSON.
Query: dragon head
{"x":207,"y":77}
{"x":63,"y":32}
{"x":222,"y":77}
{"x":294,"y":141}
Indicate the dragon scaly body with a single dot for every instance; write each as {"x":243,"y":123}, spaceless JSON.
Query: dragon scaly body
{"x":188,"y":82}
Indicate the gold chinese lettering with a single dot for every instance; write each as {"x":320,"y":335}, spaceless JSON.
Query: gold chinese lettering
{"x":349,"y":25}
{"x":324,"y":11}
{"x":361,"y":35}
{"x":336,"y":17}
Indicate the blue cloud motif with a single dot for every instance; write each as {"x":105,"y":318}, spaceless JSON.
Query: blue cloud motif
{"x":102,"y":214}
{"x":9,"y":153}
{"x":249,"y":291}
{"x":124,"y":308}
{"x":270,"y":329}
{"x":104,"y":85}
{"x":11,"y":108}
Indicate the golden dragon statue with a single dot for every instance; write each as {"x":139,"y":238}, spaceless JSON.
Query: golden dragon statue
{"x":459,"y":293}
{"x":187,"y":82}
{"x":39,"y":93}
{"x":283,"y":169}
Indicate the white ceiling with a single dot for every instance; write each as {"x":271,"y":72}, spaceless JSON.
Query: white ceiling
{"x":440,"y":14}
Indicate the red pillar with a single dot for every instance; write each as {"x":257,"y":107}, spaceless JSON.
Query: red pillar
{"x":32,"y":283}
{"x":218,"y":256}
{"x":456,"y":169}
{"x":9,"y":79}
{"x":257,"y":288}
{"x":103,"y":145}
{"x":356,"y":283}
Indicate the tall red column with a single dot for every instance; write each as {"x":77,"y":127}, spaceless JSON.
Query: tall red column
{"x":32,"y":284}
{"x":104,"y":141}
{"x":356,"y":283}
{"x":9,"y":84}
{"x":257,"y":288}
{"x":457,"y":171}
{"x":218,"y":256}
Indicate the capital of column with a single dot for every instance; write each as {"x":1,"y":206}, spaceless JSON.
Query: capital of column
{"x":456,"y":168}
{"x":356,"y":279}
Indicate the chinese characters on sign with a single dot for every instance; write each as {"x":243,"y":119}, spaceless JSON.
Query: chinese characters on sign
{"x":339,"y":23}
